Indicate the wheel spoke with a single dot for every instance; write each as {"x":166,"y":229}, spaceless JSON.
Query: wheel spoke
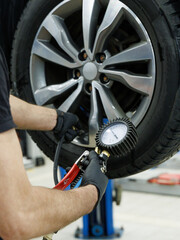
{"x":57,"y":28}
{"x":141,"y":84}
{"x":71,"y":100}
{"x":110,"y":105}
{"x":112,"y":17}
{"x":90,"y":14}
{"x":46,"y":51}
{"x":95,"y":118}
{"x":136,"y":53}
{"x":48,"y":94}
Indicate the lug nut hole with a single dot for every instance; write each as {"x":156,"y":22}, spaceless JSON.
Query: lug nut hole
{"x":83,"y":56}
{"x":100,"y":57}
{"x":77,"y":74}
{"x":88,"y":88}
{"x":104,"y":79}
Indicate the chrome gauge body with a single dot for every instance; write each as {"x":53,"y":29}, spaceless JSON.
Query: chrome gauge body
{"x":118,"y":137}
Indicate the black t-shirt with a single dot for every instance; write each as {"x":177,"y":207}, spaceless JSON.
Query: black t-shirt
{"x":10,"y":11}
{"x":6,"y":121}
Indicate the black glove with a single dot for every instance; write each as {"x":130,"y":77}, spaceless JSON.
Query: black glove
{"x":65,"y":122}
{"x":94,"y":176}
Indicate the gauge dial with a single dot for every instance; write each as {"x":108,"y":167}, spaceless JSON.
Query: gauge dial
{"x":114,"y":133}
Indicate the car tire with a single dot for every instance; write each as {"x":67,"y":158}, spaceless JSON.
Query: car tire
{"x":159,"y":128}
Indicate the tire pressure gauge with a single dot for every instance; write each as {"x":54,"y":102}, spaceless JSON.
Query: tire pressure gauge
{"x":118,"y":137}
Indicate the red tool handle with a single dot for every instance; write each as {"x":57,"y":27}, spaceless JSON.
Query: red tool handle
{"x":67,"y":180}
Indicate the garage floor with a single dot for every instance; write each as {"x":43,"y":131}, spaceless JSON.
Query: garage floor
{"x":144,"y":216}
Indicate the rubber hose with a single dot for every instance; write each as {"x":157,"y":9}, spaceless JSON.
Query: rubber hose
{"x":56,"y":159}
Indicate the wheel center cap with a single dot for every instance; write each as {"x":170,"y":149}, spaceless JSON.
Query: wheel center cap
{"x":90,"y":71}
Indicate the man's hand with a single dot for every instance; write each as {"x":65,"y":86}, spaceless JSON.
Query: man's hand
{"x":94,"y":176}
{"x":65,"y":124}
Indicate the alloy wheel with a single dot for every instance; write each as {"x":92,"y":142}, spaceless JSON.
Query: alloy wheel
{"x":94,"y":59}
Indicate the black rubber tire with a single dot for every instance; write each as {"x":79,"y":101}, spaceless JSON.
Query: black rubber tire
{"x":159,"y":132}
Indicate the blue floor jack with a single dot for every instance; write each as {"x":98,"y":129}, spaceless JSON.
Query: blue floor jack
{"x":99,"y":224}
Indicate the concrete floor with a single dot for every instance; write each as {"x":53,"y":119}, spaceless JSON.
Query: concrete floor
{"x":143,"y":216}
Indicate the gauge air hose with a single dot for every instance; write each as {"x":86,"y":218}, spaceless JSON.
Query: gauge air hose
{"x":56,"y":158}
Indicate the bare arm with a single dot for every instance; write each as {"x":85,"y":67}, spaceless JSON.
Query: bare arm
{"x":27,"y":211}
{"x":32,"y":117}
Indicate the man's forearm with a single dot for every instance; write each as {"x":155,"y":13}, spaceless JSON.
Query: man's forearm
{"x":47,"y":216}
{"x":32,"y":117}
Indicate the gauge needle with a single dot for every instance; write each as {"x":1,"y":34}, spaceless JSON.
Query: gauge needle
{"x":114,"y":134}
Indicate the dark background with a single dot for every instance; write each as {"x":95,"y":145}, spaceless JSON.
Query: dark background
{"x":10,"y":12}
